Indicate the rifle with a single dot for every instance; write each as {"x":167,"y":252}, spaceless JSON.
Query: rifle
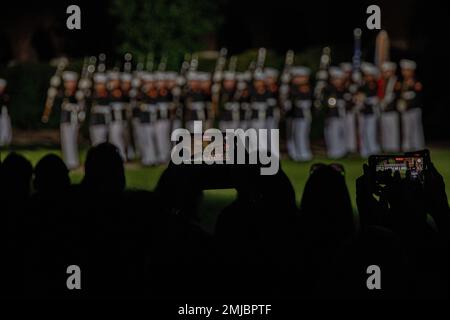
{"x":85,"y":85}
{"x":217,"y":81}
{"x":232,"y":65}
{"x":180,"y":87}
{"x":193,"y":66}
{"x":150,"y":61}
{"x":127,"y":64}
{"x":163,"y":63}
{"x":356,"y":59}
{"x":258,"y":65}
{"x":260,"y":59}
{"x":286,"y":77}
{"x":101,"y":63}
{"x":356,"y":79}
{"x":322,"y":76}
{"x":55,"y":82}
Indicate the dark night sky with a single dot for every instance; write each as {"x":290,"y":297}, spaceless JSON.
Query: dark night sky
{"x":279,"y":25}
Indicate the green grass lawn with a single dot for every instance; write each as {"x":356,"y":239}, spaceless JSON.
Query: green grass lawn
{"x":146,"y":178}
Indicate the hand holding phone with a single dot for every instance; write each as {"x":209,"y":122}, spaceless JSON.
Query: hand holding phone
{"x":410,"y":165}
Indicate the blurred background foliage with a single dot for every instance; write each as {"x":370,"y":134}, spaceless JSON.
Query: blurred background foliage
{"x":165,"y":27}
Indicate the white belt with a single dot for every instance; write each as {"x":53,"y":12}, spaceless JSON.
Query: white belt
{"x":303,"y":104}
{"x":117,"y":106}
{"x":198,"y":106}
{"x":148,"y":107}
{"x":71,"y":107}
{"x":408,"y":95}
{"x":101,"y":109}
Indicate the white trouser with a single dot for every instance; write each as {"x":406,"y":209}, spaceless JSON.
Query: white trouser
{"x":335,"y":137}
{"x":390,"y":131}
{"x":148,"y":144}
{"x":69,"y":144}
{"x":116,"y":136}
{"x":232,"y":124}
{"x":271,"y":123}
{"x":244,"y":124}
{"x":98,"y":134}
{"x":413,"y":138}
{"x":176,"y":124}
{"x":5,"y":128}
{"x":131,"y":148}
{"x":259,"y":124}
{"x":298,"y":146}
{"x":163,"y":140}
{"x":206,"y":124}
{"x":368,"y":135}
{"x":350,"y":131}
{"x":136,"y":131}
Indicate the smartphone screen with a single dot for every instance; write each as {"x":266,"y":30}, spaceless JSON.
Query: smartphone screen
{"x":218,"y":155}
{"x":411,"y":167}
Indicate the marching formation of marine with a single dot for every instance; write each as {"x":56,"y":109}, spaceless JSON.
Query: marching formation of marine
{"x":366,"y":109}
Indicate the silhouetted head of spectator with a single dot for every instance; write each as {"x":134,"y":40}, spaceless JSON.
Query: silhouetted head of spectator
{"x":326,"y":201}
{"x":51,"y":174}
{"x":16,"y":172}
{"x":178,"y":193}
{"x":275,"y":192}
{"x":104,"y":169}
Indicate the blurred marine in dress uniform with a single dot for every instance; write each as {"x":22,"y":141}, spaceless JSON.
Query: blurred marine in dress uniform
{"x":350,"y":108}
{"x":298,"y":112}
{"x":273,"y":112}
{"x":369,"y":110}
{"x":148,"y":120}
{"x":229,"y":113}
{"x":70,"y":111}
{"x":243,"y":98}
{"x":165,"y":84}
{"x":389,"y":118}
{"x":5,"y":120}
{"x":409,"y":104}
{"x":334,"y":104}
{"x":118,"y":123}
{"x":195,"y":101}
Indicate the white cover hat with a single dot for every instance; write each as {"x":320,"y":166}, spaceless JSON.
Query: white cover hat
{"x":259,"y":75}
{"x":113,"y":75}
{"x":147,"y":76}
{"x":271,"y":73}
{"x":124,"y":76}
{"x":204,"y":76}
{"x":369,"y":69}
{"x":300,"y":71}
{"x":408,"y":64}
{"x":388,"y":66}
{"x":346,"y":66}
{"x":229,"y":75}
{"x":336,"y":72}
{"x":193,"y":76}
{"x":70,"y":76}
{"x":100,"y":78}
{"x":171,"y":75}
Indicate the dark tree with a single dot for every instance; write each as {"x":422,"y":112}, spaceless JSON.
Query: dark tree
{"x":163,"y":26}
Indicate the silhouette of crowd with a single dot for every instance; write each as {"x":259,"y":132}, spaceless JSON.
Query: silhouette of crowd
{"x":142,"y":244}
